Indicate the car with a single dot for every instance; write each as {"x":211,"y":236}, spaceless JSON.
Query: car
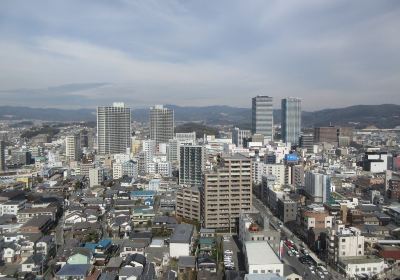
{"x":228,"y":252}
{"x":312,"y":271}
{"x":226,"y":238}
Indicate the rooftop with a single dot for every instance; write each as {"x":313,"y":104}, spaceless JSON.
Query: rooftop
{"x":260,"y":252}
{"x":182,"y":233}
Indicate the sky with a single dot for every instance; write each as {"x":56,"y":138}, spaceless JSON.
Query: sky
{"x":82,"y":54}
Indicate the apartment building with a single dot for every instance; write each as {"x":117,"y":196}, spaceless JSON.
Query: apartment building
{"x":227,"y":191}
{"x":188,"y":203}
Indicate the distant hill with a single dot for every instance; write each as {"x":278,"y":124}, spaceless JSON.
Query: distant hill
{"x":382,"y":116}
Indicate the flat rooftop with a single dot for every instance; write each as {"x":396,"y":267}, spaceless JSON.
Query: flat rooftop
{"x":360,"y":260}
{"x":260,"y":253}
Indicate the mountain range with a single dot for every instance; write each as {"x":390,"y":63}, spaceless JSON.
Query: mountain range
{"x":381,"y":116}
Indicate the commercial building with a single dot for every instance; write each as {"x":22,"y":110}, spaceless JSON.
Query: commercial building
{"x":238,"y":135}
{"x":307,"y":142}
{"x":188,"y":203}
{"x":161,"y":124}
{"x":318,"y":186}
{"x":291,"y":120}
{"x":344,"y":242}
{"x":254,"y":227}
{"x":286,"y":209}
{"x":227,"y":191}
{"x":2,"y":156}
{"x":186,"y":137}
{"x":331,"y":134}
{"x":261,"y":259}
{"x":365,"y":266}
{"x":113,"y":129}
{"x":375,"y":161}
{"x":192,"y":164}
{"x":262,"y":116}
{"x":72,"y":147}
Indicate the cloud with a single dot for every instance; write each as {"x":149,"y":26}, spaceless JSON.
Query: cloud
{"x":329,"y":53}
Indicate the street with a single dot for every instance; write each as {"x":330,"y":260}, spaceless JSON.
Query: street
{"x":302,"y":269}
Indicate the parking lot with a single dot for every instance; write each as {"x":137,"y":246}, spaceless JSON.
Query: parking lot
{"x":231,"y":244}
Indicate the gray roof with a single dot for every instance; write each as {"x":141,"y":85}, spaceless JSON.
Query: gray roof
{"x":187,"y":261}
{"x":182,"y":233}
{"x":130,"y":271}
{"x":74,"y":270}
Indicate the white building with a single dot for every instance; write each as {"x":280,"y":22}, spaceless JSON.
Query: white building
{"x":127,"y":168}
{"x":113,"y":129}
{"x":362,"y":266}
{"x":261,"y":259}
{"x":318,"y":186}
{"x":12,"y":207}
{"x":181,"y":241}
{"x":96,"y":176}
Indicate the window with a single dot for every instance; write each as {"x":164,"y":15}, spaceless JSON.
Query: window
{"x":255,"y":271}
{"x":278,"y":271}
{"x":357,"y":269}
{"x":362,"y":268}
{"x":263,"y":271}
{"x":359,"y":246}
{"x":343,"y":240}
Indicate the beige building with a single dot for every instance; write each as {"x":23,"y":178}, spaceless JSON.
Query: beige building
{"x":227,"y":191}
{"x":72,"y":147}
{"x":188,"y":203}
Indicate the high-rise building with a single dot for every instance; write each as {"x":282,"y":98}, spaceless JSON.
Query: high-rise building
{"x":127,"y":168}
{"x":72,"y":147}
{"x":262,"y":116}
{"x":2,"y":156}
{"x":188,"y":203}
{"x":238,"y":135}
{"x":161,"y":124}
{"x":192,"y":164}
{"x":227,"y":191}
{"x":291,"y":120}
{"x":318,"y":186}
{"x":113,"y":129}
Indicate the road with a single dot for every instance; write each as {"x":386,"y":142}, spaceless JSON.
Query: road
{"x":287,"y":233}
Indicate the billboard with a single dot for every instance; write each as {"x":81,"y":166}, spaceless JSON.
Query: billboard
{"x":291,"y":157}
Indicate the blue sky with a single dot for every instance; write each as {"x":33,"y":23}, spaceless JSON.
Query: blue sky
{"x":70,"y":54}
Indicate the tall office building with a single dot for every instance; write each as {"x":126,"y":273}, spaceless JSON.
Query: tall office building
{"x":113,"y":129}
{"x":2,"y":156}
{"x":161,"y":124}
{"x":227,"y":191}
{"x":291,"y":120}
{"x":72,"y":147}
{"x":192,"y":164}
{"x":262,"y":116}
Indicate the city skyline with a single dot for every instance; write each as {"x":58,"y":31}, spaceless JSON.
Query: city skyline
{"x":186,"y":53}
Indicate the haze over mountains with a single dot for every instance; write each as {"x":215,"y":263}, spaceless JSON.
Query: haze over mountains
{"x":381,"y":116}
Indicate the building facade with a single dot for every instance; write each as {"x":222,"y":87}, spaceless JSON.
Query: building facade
{"x":262,"y":116}
{"x":188,"y":203}
{"x":113,"y":129}
{"x":192,"y":163}
{"x":291,"y":120}
{"x":72,"y":147}
{"x":227,"y":191}
{"x":2,"y":156}
{"x":161,"y":124}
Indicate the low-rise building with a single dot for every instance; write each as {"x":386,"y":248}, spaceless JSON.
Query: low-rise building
{"x":261,"y":258}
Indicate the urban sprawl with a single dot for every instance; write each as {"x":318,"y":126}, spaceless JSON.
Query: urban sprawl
{"x":120,"y":199}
